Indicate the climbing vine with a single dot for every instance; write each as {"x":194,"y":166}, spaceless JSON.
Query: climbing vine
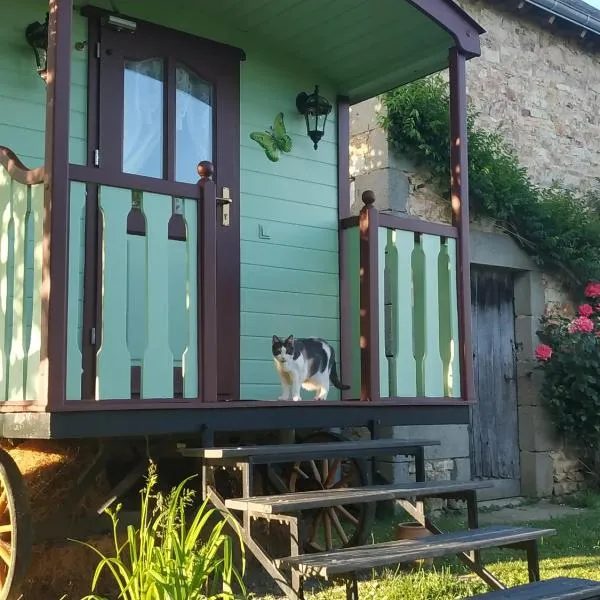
{"x":559,"y":227}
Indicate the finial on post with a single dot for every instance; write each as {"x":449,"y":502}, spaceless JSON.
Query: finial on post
{"x":368,"y":198}
{"x":205,"y":169}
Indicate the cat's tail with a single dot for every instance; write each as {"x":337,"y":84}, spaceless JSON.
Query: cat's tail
{"x":333,"y":376}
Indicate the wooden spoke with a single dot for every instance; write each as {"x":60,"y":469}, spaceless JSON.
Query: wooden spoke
{"x":6,"y":528}
{"x":315,"y":527}
{"x":324,"y":470}
{"x":315,"y":471}
{"x":347,"y":515}
{"x":338,"y":525}
{"x":343,"y":481}
{"x":5,"y":552}
{"x":332,"y":472}
{"x":300,"y":472}
{"x":328,"y":536}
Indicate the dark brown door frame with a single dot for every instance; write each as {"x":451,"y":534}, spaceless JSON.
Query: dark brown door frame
{"x":226,"y":159}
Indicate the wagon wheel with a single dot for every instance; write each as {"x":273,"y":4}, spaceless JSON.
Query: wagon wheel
{"x":15,"y":528}
{"x":335,"y":526}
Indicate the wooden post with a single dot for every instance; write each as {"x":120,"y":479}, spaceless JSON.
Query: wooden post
{"x":343,"y":154}
{"x":53,"y":367}
{"x":369,"y":298}
{"x":459,"y":188}
{"x":207,"y":284}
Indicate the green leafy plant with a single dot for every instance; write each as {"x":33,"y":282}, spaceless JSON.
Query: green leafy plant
{"x":559,"y":228}
{"x":165,"y":558}
{"x":570,"y":359}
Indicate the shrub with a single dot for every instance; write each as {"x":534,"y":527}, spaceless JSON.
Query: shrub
{"x":570,"y":359}
{"x":164,"y":558}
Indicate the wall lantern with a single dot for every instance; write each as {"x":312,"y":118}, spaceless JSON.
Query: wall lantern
{"x":315,"y":109}
{"x":37,"y":37}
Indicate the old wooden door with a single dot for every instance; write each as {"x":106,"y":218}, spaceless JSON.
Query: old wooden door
{"x":494,"y":427}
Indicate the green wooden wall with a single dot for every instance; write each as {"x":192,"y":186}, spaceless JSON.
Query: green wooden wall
{"x":289,"y":244}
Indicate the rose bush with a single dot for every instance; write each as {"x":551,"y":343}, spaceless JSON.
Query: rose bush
{"x":569,"y":355}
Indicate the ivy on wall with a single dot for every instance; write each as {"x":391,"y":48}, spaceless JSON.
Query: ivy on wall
{"x":560,"y":228}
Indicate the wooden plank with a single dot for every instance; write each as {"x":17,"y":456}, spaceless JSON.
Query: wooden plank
{"x":558,"y":588}
{"x":384,"y":376}
{"x":433,"y":368}
{"x":454,"y":332}
{"x":315,"y":450}
{"x":406,"y":366}
{"x":289,"y":503}
{"x":75,"y":292}
{"x":190,"y":355}
{"x":35,"y":338}
{"x":16,"y":369}
{"x":5,"y":214}
{"x":113,"y":362}
{"x":352,"y":560}
{"x":157,"y":364}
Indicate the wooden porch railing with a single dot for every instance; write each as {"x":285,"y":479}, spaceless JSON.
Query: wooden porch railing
{"x":21,"y":265}
{"x":401,"y":285}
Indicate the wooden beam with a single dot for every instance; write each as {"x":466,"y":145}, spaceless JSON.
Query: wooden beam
{"x":459,"y":189}
{"x":53,"y":368}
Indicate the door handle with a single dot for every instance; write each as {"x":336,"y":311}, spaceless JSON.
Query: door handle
{"x":225,"y":201}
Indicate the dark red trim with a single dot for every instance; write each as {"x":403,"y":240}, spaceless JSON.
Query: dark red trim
{"x":459,"y":187}
{"x":405,"y":224}
{"x":178,"y":403}
{"x":369,"y":299}
{"x":17,"y":170}
{"x":457,"y":22}
{"x":417,"y":225}
{"x":132,"y":182}
{"x":53,"y":366}
{"x":346,"y":342}
{"x":343,"y":156}
{"x":207,"y":289}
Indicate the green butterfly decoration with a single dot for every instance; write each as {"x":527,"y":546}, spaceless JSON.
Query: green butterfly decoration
{"x":275,"y":140}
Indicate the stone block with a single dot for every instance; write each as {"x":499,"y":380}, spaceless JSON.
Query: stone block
{"x":536,"y":474}
{"x":454,"y":439}
{"x":529,"y":383}
{"x":536,"y":431}
{"x":363,"y":116}
{"x":529,"y":294}
{"x":462,"y":469}
{"x":526,"y":337}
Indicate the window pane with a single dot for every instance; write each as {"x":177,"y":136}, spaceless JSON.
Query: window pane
{"x":143,"y":117}
{"x":193,"y":126}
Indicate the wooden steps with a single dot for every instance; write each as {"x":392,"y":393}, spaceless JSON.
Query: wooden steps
{"x":349,"y":561}
{"x":300,"y":501}
{"x":560,"y":588}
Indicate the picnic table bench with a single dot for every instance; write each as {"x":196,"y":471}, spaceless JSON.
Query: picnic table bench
{"x":559,"y":588}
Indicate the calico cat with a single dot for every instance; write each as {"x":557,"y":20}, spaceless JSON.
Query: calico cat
{"x":307,"y":363}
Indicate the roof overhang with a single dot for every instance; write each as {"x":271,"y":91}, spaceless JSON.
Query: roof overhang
{"x":359,"y":48}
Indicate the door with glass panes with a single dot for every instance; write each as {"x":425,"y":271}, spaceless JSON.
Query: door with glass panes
{"x":162,"y":101}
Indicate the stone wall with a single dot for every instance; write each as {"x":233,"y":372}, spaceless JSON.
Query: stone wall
{"x":542,"y":92}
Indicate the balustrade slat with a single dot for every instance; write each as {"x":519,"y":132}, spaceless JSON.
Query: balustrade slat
{"x":113,"y":366}
{"x":406,"y":367}
{"x":35,"y":338}
{"x":454,"y":332}
{"x":16,"y":369}
{"x":190,"y":355}
{"x":433,"y":369}
{"x":157,"y":364}
{"x":75,"y":292}
{"x":384,"y":375}
{"x":5,"y":214}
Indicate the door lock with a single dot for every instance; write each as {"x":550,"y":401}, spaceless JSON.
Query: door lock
{"x":225,"y":201}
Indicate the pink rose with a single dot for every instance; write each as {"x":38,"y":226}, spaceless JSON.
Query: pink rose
{"x":586,"y":310}
{"x":581,"y":325}
{"x":592,"y":290}
{"x":543,"y":352}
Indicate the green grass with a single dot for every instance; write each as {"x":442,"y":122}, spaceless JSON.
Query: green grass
{"x":573,"y":552}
